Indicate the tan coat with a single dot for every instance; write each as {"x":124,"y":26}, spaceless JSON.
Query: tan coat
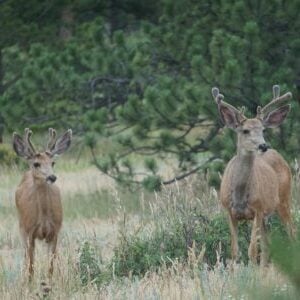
{"x":39,"y":207}
{"x":267,"y":188}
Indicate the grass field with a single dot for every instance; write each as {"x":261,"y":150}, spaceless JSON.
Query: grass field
{"x":97,"y":212}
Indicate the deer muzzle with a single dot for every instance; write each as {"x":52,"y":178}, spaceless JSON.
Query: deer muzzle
{"x":51,"y":178}
{"x":263,"y":147}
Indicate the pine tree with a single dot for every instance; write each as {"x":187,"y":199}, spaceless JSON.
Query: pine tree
{"x":242,"y":47}
{"x":141,"y":75}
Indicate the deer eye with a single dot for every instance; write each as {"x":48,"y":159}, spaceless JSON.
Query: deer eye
{"x":36,"y":165}
{"x":53,"y":163}
{"x":246,"y":131}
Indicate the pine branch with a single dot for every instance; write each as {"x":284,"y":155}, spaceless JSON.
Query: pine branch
{"x":193,"y":171}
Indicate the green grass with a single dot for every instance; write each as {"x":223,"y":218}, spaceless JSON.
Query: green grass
{"x":101,"y":204}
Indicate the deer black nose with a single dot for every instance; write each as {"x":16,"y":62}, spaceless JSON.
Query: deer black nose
{"x":51,"y":178}
{"x":263,"y":147}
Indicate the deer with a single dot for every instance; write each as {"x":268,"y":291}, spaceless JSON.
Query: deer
{"x":256,"y":182}
{"x":37,"y":198}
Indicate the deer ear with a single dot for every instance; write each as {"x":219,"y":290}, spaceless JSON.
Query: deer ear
{"x":229,"y":117}
{"x":18,"y":145}
{"x":276,"y":117}
{"x":62,"y":143}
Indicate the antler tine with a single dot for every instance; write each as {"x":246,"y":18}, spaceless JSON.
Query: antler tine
{"x":277,"y":101}
{"x":276,"y":91}
{"x":216,"y":95}
{"x":219,"y":100}
{"x":52,"y":139}
{"x":215,"y":92}
{"x":27,"y":141}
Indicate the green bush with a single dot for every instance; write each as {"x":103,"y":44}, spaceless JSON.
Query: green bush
{"x":7,"y":155}
{"x":215,"y":235}
{"x":138,"y":254}
{"x":285,"y":255}
{"x":89,"y":266}
{"x":180,"y":221}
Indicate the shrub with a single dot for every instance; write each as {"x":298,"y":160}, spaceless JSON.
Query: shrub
{"x":89,"y":266}
{"x":138,"y":254}
{"x":181,"y":220}
{"x":7,"y":155}
{"x":285,"y":255}
{"x":215,"y":235}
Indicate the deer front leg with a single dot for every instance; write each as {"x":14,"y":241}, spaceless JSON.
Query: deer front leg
{"x":52,"y":248}
{"x":25,"y":240}
{"x":264,"y":257}
{"x":25,"y":243}
{"x":31,"y":257}
{"x":252,"y":250}
{"x":234,"y":238}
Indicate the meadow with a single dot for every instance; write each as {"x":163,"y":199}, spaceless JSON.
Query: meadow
{"x":99,"y":217}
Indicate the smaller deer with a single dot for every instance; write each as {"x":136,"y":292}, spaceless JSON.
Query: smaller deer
{"x":257,"y":180}
{"x":38,"y":199}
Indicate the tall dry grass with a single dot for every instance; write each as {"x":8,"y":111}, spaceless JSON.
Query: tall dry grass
{"x":125,"y":213}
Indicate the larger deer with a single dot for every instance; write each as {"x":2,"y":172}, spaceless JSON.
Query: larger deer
{"x":257,"y":180}
{"x":37,"y":198}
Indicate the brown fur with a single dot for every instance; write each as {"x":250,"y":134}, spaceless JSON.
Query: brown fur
{"x":40,"y":212}
{"x":268,"y":191}
{"x":38,"y":199}
{"x":268,"y":187}
{"x":256,"y":182}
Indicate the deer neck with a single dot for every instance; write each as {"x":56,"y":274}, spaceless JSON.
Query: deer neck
{"x":40,"y":184}
{"x":245,"y":164}
{"x":242,"y":180}
{"x":41,"y":194}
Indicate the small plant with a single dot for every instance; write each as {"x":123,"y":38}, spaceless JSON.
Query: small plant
{"x":89,"y":268}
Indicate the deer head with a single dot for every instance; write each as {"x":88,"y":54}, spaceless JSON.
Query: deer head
{"x":250,"y":131}
{"x":41,"y":163}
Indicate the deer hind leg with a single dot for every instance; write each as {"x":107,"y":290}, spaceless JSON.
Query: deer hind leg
{"x":52,"y":249}
{"x":252,"y":250}
{"x":234,"y":238}
{"x":285,"y":216}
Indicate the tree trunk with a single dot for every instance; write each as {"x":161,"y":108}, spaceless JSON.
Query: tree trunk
{"x":113,"y":16}
{"x":1,"y":93}
{"x":1,"y":74}
{"x":67,"y":19}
